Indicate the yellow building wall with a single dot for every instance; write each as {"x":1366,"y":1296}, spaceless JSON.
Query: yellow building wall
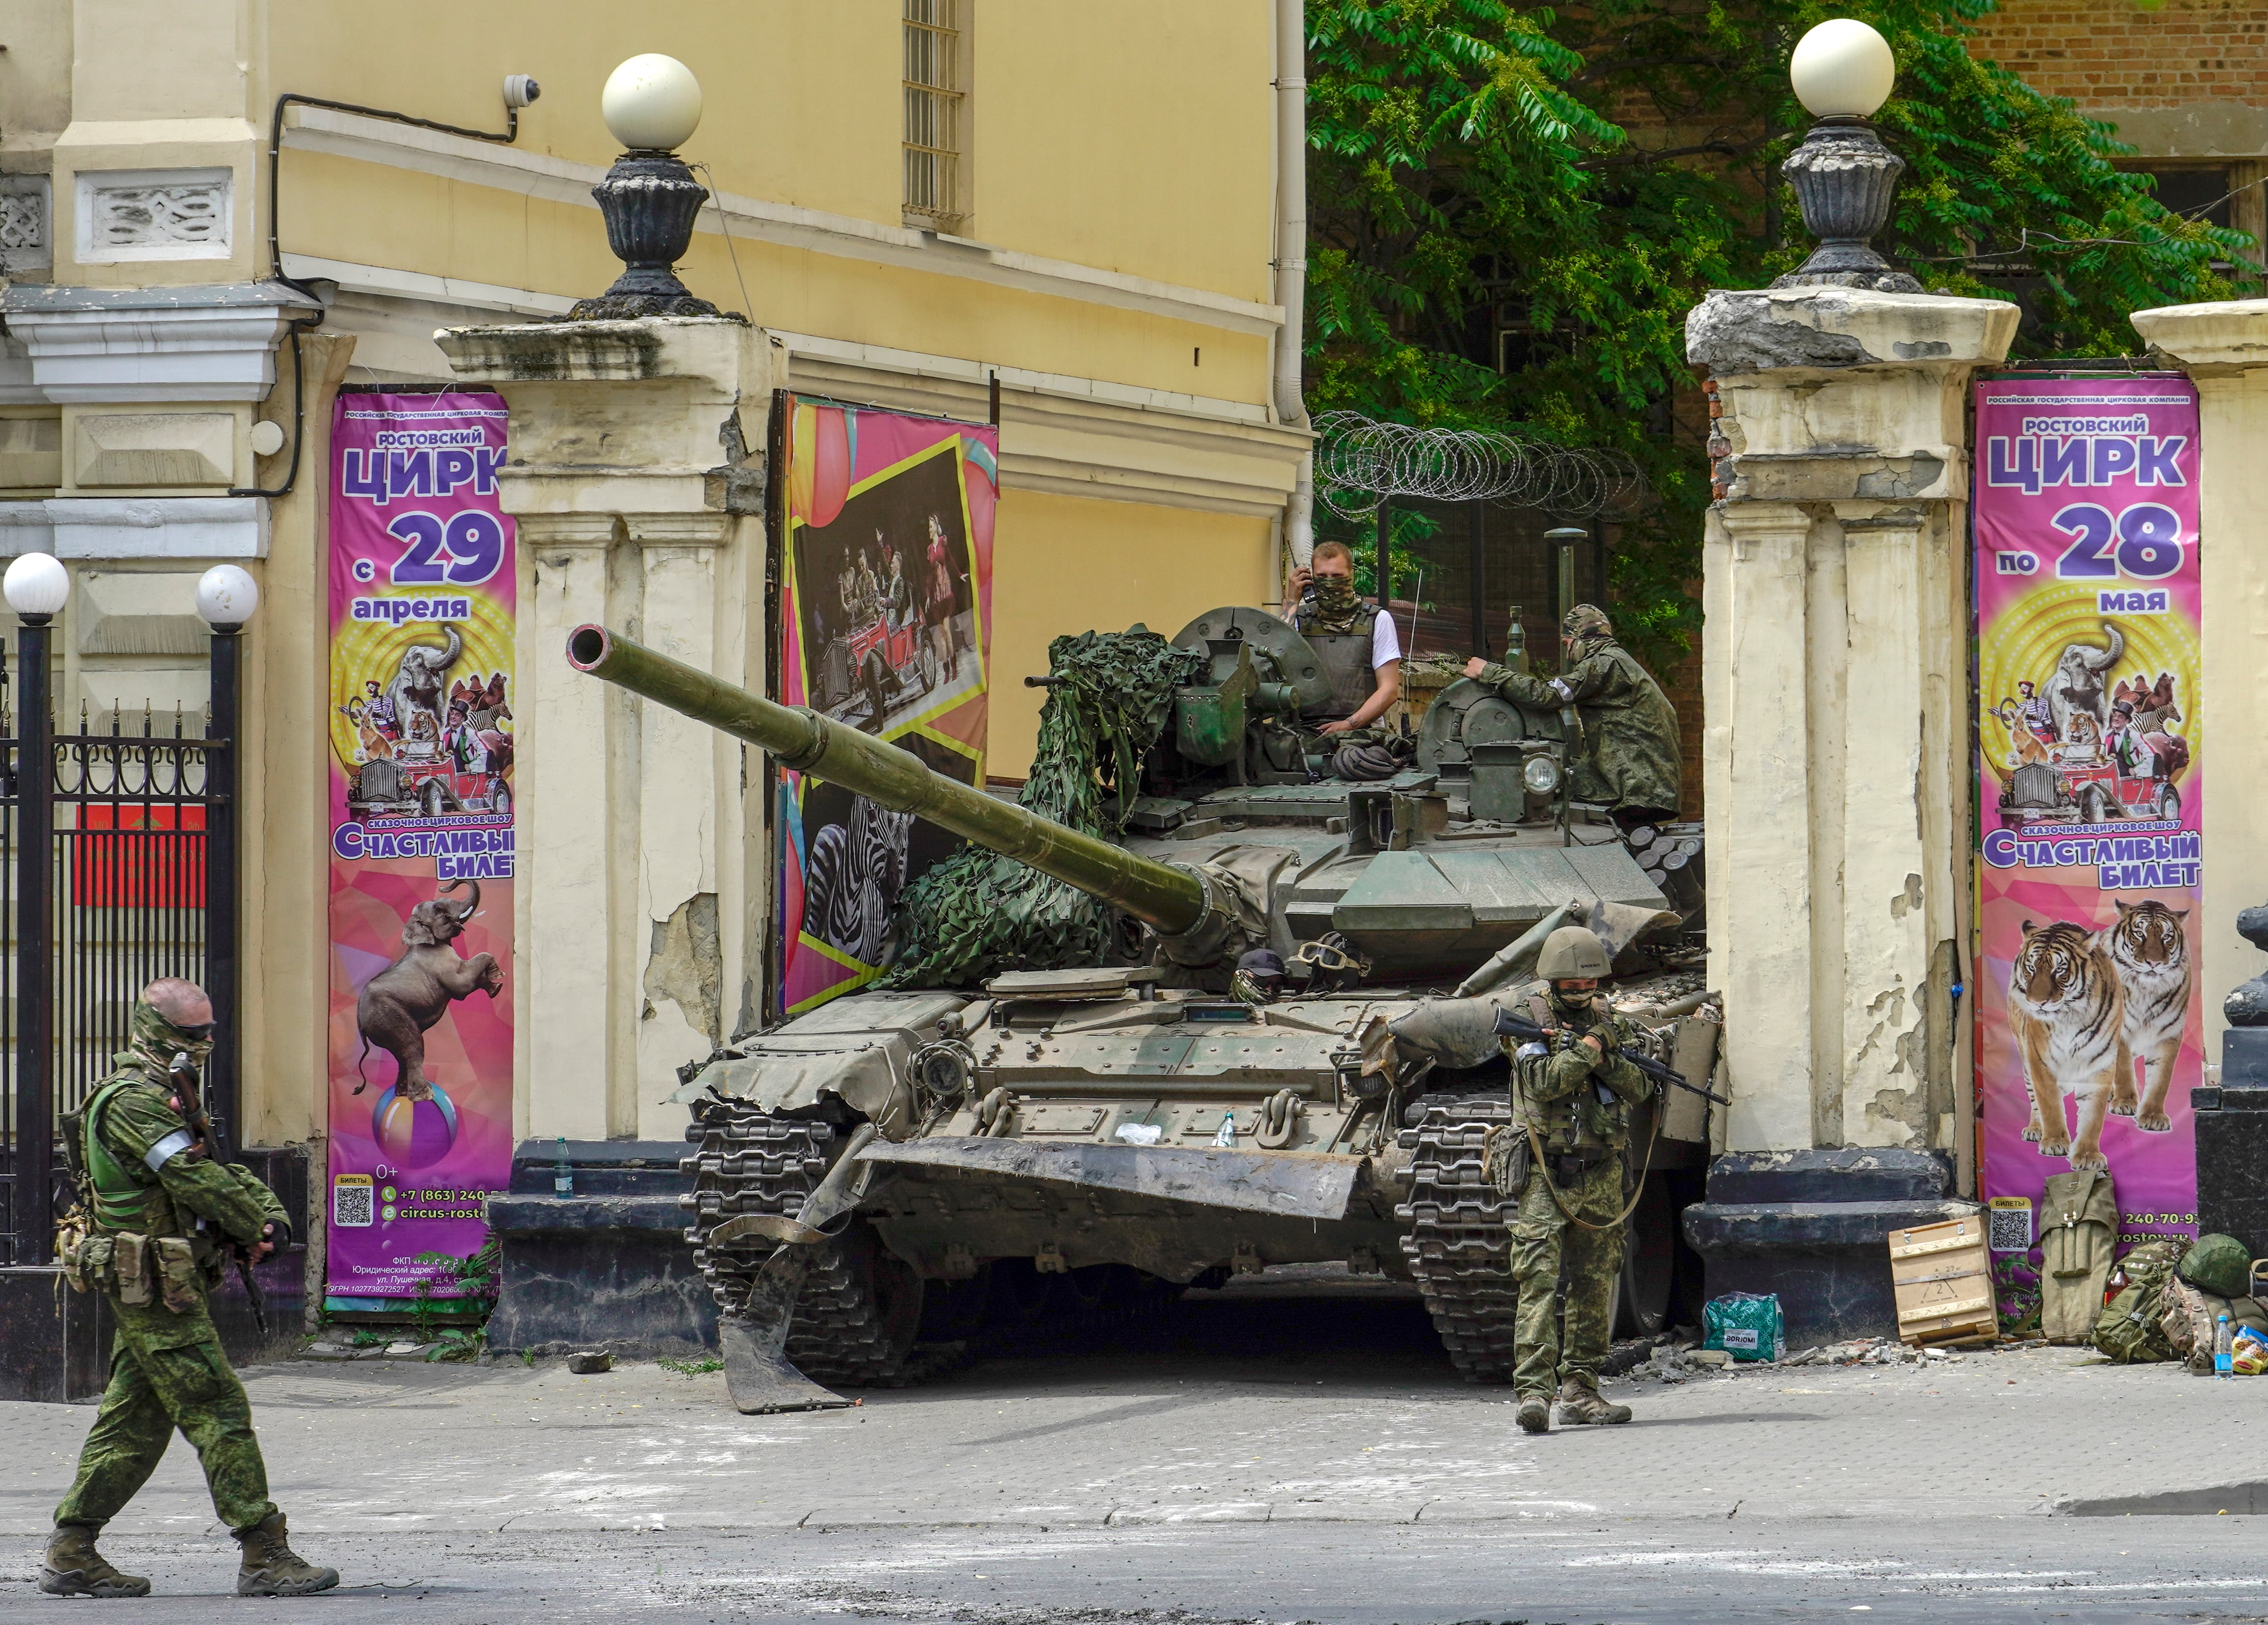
{"x":342,"y":208}
{"x":1136,"y":139}
{"x":1065,"y":564}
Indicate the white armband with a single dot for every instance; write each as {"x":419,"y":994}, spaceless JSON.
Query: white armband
{"x":1567,"y":694}
{"x":166,"y":1149}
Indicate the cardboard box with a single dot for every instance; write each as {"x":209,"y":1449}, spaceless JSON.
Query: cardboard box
{"x":1942,"y":1277}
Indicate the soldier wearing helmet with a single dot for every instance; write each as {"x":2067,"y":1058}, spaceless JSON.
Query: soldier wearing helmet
{"x":1571,"y":1095}
{"x":1630,"y":758}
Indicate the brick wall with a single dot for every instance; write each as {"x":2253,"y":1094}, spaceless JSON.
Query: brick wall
{"x":2113,"y":53}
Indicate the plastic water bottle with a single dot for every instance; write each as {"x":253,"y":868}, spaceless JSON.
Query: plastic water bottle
{"x":2224,"y":1348}
{"x":562,"y":1185}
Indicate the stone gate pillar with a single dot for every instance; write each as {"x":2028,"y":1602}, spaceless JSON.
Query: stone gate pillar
{"x":640,"y":502}
{"x":1838,"y":781}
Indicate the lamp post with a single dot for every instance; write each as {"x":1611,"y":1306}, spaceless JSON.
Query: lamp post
{"x":1844,"y":177}
{"x":37,"y":586}
{"x":1566,"y":538}
{"x":226,"y":597}
{"x":649,"y":199}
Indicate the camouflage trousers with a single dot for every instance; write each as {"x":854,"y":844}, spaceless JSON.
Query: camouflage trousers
{"x":1543,"y":1241}
{"x":167,"y":1372}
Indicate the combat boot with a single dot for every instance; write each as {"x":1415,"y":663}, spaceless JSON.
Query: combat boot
{"x":272,"y":1569}
{"x":1535,"y":1413}
{"x":73,"y":1568}
{"x":1580,"y":1402}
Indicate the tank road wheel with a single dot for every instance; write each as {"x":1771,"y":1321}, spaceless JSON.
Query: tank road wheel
{"x":1456,"y":1240}
{"x":860,"y":1308}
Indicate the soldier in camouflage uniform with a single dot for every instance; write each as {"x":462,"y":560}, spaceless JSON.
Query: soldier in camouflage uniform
{"x":1572,"y":1096}
{"x":158,"y":1213}
{"x":1630,"y":757}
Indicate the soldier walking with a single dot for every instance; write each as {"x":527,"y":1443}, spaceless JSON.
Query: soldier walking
{"x":1571,"y":1095}
{"x":159,"y":1214}
{"x":1630,"y":757}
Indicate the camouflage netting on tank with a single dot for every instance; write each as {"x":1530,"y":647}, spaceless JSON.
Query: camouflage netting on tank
{"x":977,"y":913}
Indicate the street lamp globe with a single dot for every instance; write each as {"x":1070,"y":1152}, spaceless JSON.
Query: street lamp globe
{"x":37,"y":586}
{"x":652,"y":103}
{"x":1843,"y":68}
{"x":226,"y":597}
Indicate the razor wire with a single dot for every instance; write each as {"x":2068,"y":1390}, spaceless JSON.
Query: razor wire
{"x":1363,"y":461}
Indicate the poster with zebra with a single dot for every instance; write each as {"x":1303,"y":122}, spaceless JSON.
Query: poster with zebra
{"x":2090,"y":1020}
{"x":884,"y":622}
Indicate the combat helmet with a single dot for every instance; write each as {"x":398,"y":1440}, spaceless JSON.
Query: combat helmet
{"x":1572,"y":954}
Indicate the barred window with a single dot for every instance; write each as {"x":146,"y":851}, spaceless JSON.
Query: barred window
{"x":933,"y":112}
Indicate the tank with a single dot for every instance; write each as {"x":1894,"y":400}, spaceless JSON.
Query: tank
{"x":898,"y":1177}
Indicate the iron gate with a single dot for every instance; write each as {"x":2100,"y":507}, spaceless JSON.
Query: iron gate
{"x":116,"y":868}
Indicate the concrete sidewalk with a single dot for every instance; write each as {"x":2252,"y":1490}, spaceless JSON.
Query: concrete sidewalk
{"x":1331,"y":1410}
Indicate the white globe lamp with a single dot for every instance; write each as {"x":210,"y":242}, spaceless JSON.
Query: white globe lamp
{"x":37,"y":586}
{"x":649,"y":199}
{"x":1846,"y":180}
{"x":226,"y":597}
{"x":1843,"y":68}
{"x":652,"y":103}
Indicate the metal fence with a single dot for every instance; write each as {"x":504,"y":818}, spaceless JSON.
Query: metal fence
{"x":115,"y":869}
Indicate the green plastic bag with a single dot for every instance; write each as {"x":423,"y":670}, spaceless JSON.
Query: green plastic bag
{"x":1745,"y":1325}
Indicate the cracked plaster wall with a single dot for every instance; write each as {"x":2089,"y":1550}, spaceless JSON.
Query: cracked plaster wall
{"x":1837,"y":745}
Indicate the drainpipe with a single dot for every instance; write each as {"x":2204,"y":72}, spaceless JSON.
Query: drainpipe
{"x":1292,"y":258}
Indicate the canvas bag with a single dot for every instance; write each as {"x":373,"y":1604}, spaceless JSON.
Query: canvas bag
{"x":2130,"y":1328}
{"x":2079,"y":1230}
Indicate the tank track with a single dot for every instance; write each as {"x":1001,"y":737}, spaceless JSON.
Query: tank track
{"x":751,"y":1161}
{"x":1457,"y":1242}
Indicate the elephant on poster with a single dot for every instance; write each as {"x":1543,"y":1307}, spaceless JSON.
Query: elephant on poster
{"x":402,"y":1001}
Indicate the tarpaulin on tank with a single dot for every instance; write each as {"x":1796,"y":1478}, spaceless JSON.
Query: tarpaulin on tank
{"x":1302,"y":1187}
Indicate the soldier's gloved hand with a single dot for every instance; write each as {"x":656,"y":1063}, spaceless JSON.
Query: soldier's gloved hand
{"x":273,"y":1237}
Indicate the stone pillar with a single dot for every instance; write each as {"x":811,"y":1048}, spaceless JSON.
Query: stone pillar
{"x":1838,"y":779}
{"x":2224,"y":348}
{"x":642,"y":910}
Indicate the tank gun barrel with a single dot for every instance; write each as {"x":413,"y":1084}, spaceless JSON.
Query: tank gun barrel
{"x":1169,"y":899}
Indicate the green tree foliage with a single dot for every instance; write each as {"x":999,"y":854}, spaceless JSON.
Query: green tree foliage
{"x":1588,"y":174}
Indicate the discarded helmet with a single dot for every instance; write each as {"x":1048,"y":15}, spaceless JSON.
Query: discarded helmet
{"x":1572,"y":954}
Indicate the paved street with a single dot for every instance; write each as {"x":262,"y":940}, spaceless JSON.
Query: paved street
{"x":1250,"y":1457}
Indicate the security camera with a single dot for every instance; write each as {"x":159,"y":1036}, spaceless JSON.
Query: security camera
{"x":519,"y":90}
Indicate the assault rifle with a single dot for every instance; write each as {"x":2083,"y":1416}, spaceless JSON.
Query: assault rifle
{"x":1509,"y":1025}
{"x":189,"y":1087}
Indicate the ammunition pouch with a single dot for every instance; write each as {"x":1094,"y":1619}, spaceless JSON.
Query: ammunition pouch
{"x":1506,"y":1161}
{"x":180,"y":1274}
{"x":73,"y":1233}
{"x":106,"y":1260}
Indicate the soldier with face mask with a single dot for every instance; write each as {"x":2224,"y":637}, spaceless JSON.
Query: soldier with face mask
{"x":1630,"y":757}
{"x":1571,"y":1096}
{"x":157,"y":1215}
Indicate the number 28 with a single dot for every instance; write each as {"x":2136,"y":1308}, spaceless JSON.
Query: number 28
{"x":2144,"y":542}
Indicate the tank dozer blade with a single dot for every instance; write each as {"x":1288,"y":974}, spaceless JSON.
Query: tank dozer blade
{"x":757,"y":1375}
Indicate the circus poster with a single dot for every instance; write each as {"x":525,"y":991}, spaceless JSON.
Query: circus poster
{"x":423,"y":602}
{"x":885,"y":624}
{"x":2090,"y":1020}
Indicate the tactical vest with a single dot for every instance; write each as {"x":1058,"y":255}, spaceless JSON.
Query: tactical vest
{"x":1345,"y":657}
{"x":116,"y":1199}
{"x":1585,"y":1122}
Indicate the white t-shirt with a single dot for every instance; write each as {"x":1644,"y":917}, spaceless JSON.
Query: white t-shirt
{"x":1385,"y":644}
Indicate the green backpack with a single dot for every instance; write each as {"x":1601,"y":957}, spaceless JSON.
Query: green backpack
{"x":2128,"y":1330}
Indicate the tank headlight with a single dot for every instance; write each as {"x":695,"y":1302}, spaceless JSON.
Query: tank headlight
{"x":1540,"y":775}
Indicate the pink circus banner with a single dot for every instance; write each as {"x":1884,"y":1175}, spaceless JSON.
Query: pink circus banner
{"x":884,"y":622}
{"x":2090,"y":779}
{"x":423,"y":605}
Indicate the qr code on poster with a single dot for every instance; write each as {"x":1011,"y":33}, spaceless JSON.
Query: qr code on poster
{"x":353,"y":1201}
{"x":2012,"y":1225}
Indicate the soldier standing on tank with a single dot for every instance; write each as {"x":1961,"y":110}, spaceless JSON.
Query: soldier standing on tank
{"x":1630,"y":757}
{"x":159,"y":1212}
{"x":1571,"y":1097}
